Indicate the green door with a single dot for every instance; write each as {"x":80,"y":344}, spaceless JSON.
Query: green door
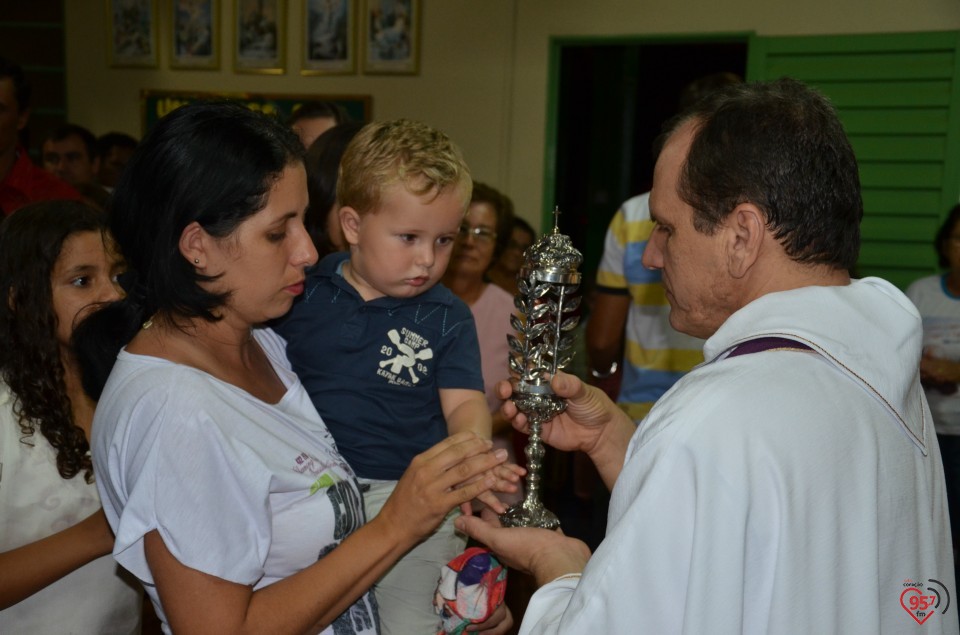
{"x":899,"y":98}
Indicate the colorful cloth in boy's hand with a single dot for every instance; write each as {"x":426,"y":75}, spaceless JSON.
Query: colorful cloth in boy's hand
{"x":471,"y":588}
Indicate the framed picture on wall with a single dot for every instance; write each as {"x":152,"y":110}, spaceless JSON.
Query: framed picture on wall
{"x":132,"y":33}
{"x":391,"y":36}
{"x":329,"y":37}
{"x":259,"y":36}
{"x":195,"y":34}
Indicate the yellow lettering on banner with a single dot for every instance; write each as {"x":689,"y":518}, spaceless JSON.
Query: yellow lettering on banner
{"x":265,"y":108}
{"x":167,"y":105}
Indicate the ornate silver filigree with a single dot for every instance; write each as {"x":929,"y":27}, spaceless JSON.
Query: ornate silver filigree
{"x":547,"y":299}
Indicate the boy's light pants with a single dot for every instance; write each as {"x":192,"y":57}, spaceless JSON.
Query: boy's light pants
{"x":405,"y":592}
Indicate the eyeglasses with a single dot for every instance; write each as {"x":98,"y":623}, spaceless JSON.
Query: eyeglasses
{"x":482,"y":234}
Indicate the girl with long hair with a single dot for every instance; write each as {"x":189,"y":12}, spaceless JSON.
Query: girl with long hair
{"x":55,"y":267}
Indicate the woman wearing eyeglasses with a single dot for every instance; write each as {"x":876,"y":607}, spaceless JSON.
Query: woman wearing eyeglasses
{"x":505,"y":268}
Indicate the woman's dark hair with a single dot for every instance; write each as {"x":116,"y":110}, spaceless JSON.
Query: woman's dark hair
{"x":323,"y":165}
{"x":502,"y":207}
{"x":213,"y":163}
{"x":524,"y":226}
{"x":318,"y":109}
{"x":30,"y":244}
{"x":942,"y":239}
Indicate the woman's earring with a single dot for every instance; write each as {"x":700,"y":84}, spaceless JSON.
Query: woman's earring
{"x":196,"y":261}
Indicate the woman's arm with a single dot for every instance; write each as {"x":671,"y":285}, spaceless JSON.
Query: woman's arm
{"x":605,"y":329}
{"x":466,"y":410}
{"x":196,"y":602}
{"x":35,"y":566}
{"x":939,"y":371}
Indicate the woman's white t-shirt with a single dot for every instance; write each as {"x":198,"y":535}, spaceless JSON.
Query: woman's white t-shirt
{"x":243,"y":490}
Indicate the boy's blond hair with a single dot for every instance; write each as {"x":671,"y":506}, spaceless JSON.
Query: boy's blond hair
{"x":422,"y":158}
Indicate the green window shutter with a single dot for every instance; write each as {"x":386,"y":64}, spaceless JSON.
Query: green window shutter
{"x":898,"y":96}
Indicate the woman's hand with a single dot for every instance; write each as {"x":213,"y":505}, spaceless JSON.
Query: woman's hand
{"x":456,"y":470}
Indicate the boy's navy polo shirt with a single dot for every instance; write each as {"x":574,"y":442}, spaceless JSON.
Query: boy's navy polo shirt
{"x":373,"y":369}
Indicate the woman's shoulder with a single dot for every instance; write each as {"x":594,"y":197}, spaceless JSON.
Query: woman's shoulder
{"x":148,"y":399}
{"x":145,"y":382}
{"x":6,"y":397}
{"x":7,"y":401}
{"x":497,"y":295}
{"x":9,"y":425}
{"x":493,"y":304}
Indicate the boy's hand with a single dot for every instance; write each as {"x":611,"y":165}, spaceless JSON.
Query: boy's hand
{"x":506,"y":479}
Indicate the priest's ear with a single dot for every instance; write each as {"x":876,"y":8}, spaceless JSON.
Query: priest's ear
{"x":747,"y":228}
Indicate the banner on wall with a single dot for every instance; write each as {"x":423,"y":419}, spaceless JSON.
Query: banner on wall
{"x":154,"y":104}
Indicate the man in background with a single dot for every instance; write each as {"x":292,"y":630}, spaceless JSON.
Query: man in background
{"x":21,"y":182}
{"x":628,"y":334}
{"x":70,"y":152}
{"x":114,"y":150}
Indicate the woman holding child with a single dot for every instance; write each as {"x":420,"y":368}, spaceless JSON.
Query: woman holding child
{"x":388,"y":355}
{"x":228,"y":496}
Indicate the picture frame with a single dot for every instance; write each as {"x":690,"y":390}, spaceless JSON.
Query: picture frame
{"x":329,"y":37}
{"x":195,"y":34}
{"x":391,"y":37}
{"x":259,"y":36}
{"x":132,"y":33}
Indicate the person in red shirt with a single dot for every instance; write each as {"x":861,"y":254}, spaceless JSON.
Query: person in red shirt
{"x":21,"y":182}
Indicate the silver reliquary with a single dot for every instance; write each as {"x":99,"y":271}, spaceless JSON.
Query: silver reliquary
{"x":547,"y":301}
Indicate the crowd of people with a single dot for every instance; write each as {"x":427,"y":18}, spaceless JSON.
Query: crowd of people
{"x":254,"y":379}
{"x":74,"y":164}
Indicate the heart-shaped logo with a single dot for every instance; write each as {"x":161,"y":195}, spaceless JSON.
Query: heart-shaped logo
{"x":919,"y":606}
